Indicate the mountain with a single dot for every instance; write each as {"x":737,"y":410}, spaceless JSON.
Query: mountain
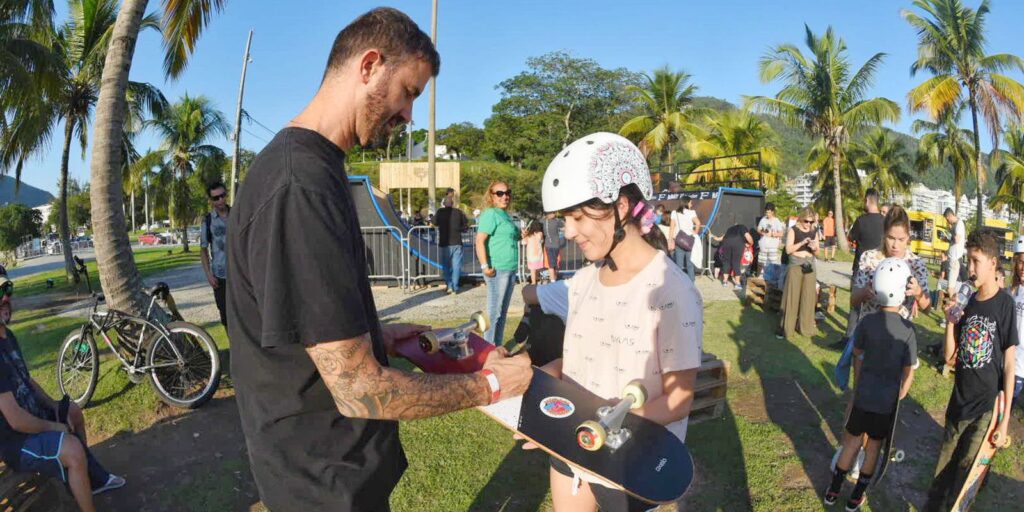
{"x":794,"y":144}
{"x":27,"y":194}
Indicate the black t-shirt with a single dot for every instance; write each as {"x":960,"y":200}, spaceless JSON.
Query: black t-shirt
{"x":890,"y":345}
{"x":734,"y":236}
{"x":15,"y":379}
{"x":983,"y":334}
{"x":451,"y":222}
{"x":867,"y":232}
{"x":298,"y":276}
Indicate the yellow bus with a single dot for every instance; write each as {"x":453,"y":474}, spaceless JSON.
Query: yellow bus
{"x":930,"y":234}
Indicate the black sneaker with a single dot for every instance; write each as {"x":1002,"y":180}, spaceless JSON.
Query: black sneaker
{"x":853,"y":505}
{"x":831,"y":497}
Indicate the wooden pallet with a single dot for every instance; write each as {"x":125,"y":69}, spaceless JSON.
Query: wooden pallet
{"x":710,"y":389}
{"x":33,"y":492}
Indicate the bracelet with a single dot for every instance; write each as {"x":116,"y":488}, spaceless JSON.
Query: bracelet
{"x":492,"y":383}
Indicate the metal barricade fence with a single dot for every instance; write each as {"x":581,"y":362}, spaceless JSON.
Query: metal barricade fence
{"x":385,"y":253}
{"x":423,"y":259}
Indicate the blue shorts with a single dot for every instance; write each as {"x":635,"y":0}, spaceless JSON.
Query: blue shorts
{"x":41,"y":454}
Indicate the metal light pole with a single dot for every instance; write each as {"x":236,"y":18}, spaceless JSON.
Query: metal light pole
{"x":431,"y":158}
{"x":238,"y":121}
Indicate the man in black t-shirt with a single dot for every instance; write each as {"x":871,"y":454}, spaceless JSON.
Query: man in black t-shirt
{"x":982,"y":344}
{"x":451,"y":223}
{"x":32,"y":437}
{"x":317,"y":399}
{"x":867,"y":229}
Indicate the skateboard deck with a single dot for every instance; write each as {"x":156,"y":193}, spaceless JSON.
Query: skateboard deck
{"x":468,"y":357}
{"x":652,"y":465}
{"x":979,"y":469}
{"x":889,"y":452}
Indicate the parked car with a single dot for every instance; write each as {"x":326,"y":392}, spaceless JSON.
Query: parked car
{"x":150,"y":238}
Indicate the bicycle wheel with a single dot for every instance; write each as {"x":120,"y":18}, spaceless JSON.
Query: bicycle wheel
{"x":188,"y":381}
{"x":78,"y":366}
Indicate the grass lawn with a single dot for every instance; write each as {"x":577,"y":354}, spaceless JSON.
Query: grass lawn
{"x":149,"y":261}
{"x":769,"y":451}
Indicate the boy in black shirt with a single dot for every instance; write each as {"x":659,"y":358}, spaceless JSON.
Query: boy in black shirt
{"x":885,"y":351}
{"x":982,"y":344}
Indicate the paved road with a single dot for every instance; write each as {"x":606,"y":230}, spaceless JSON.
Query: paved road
{"x":46,"y":263}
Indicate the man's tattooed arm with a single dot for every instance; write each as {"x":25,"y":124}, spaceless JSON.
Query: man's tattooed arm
{"x":362,"y":388}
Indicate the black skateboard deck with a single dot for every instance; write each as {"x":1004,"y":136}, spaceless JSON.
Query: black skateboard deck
{"x":653,"y":465}
{"x":888,"y":451}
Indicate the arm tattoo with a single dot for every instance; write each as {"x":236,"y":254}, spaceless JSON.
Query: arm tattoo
{"x":362,"y":388}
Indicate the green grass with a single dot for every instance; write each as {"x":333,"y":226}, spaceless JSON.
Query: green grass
{"x":768,"y":451}
{"x":149,"y":262}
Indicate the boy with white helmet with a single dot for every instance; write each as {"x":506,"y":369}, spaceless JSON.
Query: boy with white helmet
{"x":1018,"y":307}
{"x":633,"y":314}
{"x":885,"y":351}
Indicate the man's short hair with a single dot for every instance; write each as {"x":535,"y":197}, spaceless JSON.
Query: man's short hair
{"x":389,"y":30}
{"x":769,"y":207}
{"x":871,"y":195}
{"x":984,"y":240}
{"x":214,"y":186}
{"x":948,"y":212}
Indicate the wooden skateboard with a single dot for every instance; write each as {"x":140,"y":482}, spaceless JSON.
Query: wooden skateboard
{"x":626,"y":451}
{"x":455,"y":350}
{"x":982,"y":461}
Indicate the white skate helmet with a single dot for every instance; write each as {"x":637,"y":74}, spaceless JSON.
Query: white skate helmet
{"x":595,"y":166}
{"x":891,"y":278}
{"x":1018,"y":245}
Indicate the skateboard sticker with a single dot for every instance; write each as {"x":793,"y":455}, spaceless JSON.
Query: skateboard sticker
{"x":557,"y":407}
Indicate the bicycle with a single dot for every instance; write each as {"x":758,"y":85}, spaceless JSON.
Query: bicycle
{"x":180,"y":358}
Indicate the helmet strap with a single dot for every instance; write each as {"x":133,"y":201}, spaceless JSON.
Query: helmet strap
{"x":620,"y":235}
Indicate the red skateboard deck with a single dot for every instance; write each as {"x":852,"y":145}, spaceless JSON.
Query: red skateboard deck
{"x":453,"y":350}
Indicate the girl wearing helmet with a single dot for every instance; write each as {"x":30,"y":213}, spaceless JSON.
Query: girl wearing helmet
{"x":1018,"y":302}
{"x":885,"y":352}
{"x":633,"y":314}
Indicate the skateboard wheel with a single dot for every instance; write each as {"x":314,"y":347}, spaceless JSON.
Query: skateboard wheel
{"x":481,"y":320}
{"x":590,"y":435}
{"x":899,"y":456}
{"x":635,"y":390}
{"x":429,"y":343}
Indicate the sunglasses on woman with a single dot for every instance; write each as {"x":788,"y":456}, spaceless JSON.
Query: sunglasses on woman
{"x":503,"y":193}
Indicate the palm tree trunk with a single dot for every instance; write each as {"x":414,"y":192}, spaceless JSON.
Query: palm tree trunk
{"x":977,"y":160}
{"x":133,"y":209}
{"x":119,"y":277}
{"x":62,"y":225}
{"x":837,"y":194}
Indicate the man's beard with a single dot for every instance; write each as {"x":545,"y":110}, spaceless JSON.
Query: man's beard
{"x":5,"y":316}
{"x":377,"y":118}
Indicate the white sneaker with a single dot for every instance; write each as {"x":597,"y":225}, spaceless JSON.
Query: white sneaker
{"x":113,"y":482}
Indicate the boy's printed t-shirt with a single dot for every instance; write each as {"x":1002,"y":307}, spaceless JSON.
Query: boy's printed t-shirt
{"x":638,"y":330}
{"x":890,"y":345}
{"x":984,"y":332}
{"x":1018,"y":307}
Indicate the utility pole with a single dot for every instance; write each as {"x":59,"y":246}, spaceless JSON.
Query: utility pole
{"x":238,"y":122}
{"x":431,"y":158}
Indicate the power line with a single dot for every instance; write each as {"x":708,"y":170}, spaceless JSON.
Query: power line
{"x":253,"y":119}
{"x":246,"y":130}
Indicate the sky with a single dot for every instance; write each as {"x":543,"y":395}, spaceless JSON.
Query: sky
{"x":483,"y":42}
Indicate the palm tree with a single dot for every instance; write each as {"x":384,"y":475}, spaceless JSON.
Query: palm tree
{"x":186,"y":128}
{"x":183,"y":22}
{"x":951,"y":46}
{"x":667,"y":101}
{"x":825,"y":97}
{"x":1010,"y":174}
{"x":944,"y":143}
{"x":139,"y":175}
{"x":79,"y":48}
{"x":735,"y":132}
{"x":885,"y":161}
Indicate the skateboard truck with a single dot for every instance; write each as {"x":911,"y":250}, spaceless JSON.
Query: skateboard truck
{"x":607,"y":430}
{"x":454,"y":342}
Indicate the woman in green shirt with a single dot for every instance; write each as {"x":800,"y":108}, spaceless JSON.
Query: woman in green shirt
{"x":497,"y":250}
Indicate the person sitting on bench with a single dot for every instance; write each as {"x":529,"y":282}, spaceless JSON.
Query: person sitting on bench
{"x":37,"y":433}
